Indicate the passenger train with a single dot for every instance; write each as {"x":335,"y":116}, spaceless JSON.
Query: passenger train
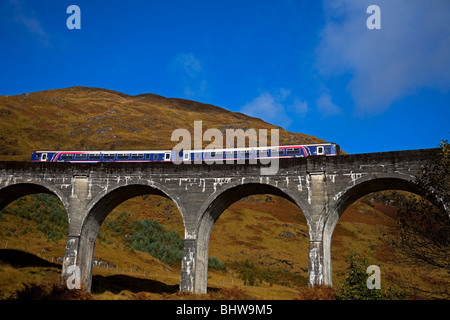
{"x":289,"y":151}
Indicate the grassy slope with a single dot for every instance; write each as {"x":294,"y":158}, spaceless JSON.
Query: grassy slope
{"x":267,"y":231}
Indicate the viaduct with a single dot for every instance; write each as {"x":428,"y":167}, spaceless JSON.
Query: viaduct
{"x":322,"y":187}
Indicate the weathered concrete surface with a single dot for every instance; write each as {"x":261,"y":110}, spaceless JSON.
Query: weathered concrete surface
{"x":322,"y":187}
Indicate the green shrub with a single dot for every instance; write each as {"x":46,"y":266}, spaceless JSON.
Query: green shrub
{"x":151,"y":237}
{"x":252,"y":275}
{"x":44,"y":209}
{"x":355,"y":285}
{"x":214,"y":263}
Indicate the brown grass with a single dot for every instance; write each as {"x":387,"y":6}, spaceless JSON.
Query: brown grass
{"x":52,"y":290}
{"x":316,"y":293}
{"x":233,"y":293}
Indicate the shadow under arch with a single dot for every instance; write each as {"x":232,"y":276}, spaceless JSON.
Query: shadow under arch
{"x":351,"y":195}
{"x":98,"y":211}
{"x":216,"y":206}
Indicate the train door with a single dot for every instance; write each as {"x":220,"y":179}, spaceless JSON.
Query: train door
{"x":197,"y":157}
{"x":167,"y":156}
{"x":320,"y":150}
{"x":186,"y":155}
{"x":44,"y":157}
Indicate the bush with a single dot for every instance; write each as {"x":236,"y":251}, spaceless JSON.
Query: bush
{"x":214,"y":263}
{"x":153,"y":238}
{"x":250,"y":274}
{"x":253,"y":276}
{"x":355,"y":284}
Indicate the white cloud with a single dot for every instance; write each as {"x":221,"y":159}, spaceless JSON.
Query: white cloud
{"x":274,"y":108}
{"x":267,"y":108}
{"x":411,"y":50}
{"x":190,"y":75}
{"x":188,"y":63}
{"x":298,"y":107}
{"x":326,"y":107}
{"x":24,"y":16}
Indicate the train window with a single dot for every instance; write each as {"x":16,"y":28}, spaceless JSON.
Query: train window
{"x":80,"y":156}
{"x":245,"y":153}
{"x":262,"y":153}
{"x":109,"y":156}
{"x":155,"y":156}
{"x":123,"y":156}
{"x":66,"y":156}
{"x":136,"y":156}
{"x":319,"y":150}
{"x":167,"y":156}
{"x":213,"y":154}
{"x":276,"y":152}
{"x":327,"y":149}
{"x":292,"y":151}
{"x":95,"y":156}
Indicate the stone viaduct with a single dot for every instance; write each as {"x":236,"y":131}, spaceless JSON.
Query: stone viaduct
{"x":322,"y":187}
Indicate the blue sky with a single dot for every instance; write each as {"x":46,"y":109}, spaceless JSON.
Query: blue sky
{"x":309,"y":66}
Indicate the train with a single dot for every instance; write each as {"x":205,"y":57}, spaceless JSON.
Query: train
{"x":287,"y":151}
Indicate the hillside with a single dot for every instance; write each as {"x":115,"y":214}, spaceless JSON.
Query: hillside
{"x":91,"y":118}
{"x":258,"y":246}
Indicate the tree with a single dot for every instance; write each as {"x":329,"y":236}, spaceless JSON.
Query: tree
{"x":422,"y":235}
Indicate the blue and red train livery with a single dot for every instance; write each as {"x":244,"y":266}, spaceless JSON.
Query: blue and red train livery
{"x":290,"y":151}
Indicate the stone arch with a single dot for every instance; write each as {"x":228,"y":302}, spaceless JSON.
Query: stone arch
{"x":15,"y":191}
{"x":12,"y":192}
{"x":215,"y":205}
{"x":99,"y":208}
{"x":352,"y":192}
